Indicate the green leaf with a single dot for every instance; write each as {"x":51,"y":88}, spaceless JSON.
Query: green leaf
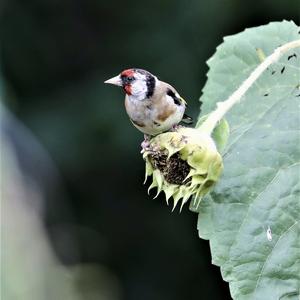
{"x":252,"y":216}
{"x":220,"y":134}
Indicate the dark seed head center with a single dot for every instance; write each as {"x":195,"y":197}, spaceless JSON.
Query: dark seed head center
{"x":173,"y":169}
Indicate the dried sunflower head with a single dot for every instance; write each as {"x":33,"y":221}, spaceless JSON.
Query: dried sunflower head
{"x":183,"y":163}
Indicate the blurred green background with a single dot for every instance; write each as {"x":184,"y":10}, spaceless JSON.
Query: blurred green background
{"x":77,"y":222}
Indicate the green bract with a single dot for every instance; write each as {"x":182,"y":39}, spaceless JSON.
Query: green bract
{"x":183,"y":163}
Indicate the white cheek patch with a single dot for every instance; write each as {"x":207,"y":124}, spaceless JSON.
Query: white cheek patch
{"x":138,"y":87}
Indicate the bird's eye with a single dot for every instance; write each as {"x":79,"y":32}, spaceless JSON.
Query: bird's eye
{"x":130,"y":78}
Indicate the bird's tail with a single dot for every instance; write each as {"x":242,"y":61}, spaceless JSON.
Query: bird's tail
{"x":187,"y":119}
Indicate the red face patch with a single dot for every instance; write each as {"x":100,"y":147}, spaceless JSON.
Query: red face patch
{"x":127,"y":89}
{"x":127,"y":73}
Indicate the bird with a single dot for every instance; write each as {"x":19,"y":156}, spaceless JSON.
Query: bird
{"x":152,"y":105}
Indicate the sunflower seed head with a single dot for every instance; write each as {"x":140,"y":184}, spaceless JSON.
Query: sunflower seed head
{"x":183,"y":163}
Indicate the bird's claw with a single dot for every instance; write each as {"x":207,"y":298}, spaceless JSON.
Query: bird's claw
{"x":175,"y":127}
{"x":147,"y":146}
{"x":146,"y":143}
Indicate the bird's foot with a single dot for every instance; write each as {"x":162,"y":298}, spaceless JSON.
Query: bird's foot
{"x":146,"y":146}
{"x":176,"y":127}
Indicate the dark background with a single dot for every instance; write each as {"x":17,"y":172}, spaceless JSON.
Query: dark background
{"x":55,"y":55}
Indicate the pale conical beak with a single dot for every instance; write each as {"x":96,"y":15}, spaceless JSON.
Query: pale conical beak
{"x":115,"y":81}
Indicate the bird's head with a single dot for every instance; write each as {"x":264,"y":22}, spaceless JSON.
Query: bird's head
{"x":137,"y":83}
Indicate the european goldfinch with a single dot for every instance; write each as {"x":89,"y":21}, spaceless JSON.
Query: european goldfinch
{"x":152,"y":105}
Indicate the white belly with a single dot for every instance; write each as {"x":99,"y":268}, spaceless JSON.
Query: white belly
{"x":146,"y":115}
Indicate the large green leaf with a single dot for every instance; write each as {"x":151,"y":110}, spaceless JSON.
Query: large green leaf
{"x":252,"y":217}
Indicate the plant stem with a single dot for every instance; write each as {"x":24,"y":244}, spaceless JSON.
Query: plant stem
{"x":223,"y":107}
